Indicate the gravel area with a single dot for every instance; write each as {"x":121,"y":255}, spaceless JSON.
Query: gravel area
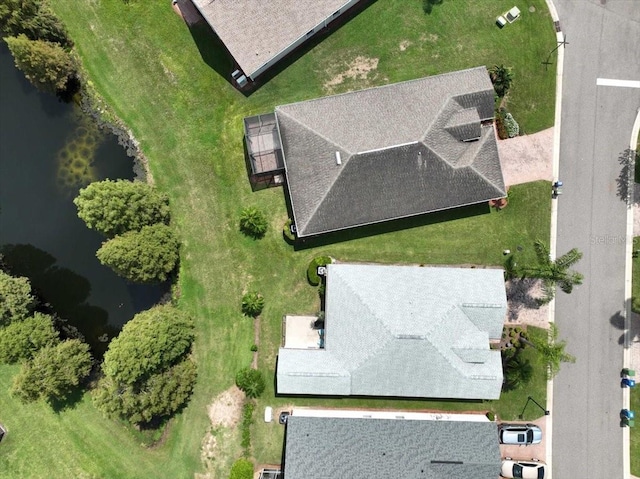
{"x":523,"y":308}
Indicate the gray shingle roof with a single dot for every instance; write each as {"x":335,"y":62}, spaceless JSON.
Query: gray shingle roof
{"x":404,"y":151}
{"x":404,"y":331}
{"x":330,"y":448}
{"x":256,"y":31}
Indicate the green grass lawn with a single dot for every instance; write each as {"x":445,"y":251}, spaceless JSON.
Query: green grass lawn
{"x":168,"y":85}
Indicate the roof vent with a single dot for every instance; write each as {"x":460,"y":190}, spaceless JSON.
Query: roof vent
{"x":338,"y":158}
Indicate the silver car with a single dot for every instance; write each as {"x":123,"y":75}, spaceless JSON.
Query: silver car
{"x":521,"y":434}
{"x":523,"y":469}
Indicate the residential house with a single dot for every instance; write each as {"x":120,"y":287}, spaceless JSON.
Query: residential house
{"x":389,"y":152}
{"x":362,"y":444}
{"x":399,"y":331}
{"x":258,"y":34}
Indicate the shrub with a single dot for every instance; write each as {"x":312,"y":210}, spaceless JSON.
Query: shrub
{"x":253,"y":222}
{"x":241,"y":469}
{"x":251,"y":382}
{"x":247,"y":420}
{"x":254,"y":347}
{"x":312,"y":272}
{"x":286,"y":232}
{"x":252,"y":304}
{"x":513,"y":129}
{"x":501,"y":128}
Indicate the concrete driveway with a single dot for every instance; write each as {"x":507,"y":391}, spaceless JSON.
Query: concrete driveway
{"x":533,"y":451}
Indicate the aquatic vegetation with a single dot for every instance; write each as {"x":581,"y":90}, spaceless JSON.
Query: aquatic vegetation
{"x":76,"y":158}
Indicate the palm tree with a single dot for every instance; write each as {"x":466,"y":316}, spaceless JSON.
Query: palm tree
{"x":552,"y":351}
{"x":501,"y":77}
{"x":553,"y":273}
{"x":517,"y":372}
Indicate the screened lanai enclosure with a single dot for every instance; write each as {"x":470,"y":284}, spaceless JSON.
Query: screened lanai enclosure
{"x":264,"y":150}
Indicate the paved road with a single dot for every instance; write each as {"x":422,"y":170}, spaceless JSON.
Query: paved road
{"x":604,"y":42}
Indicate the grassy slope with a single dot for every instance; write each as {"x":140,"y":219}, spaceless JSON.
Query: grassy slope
{"x":149,"y":67}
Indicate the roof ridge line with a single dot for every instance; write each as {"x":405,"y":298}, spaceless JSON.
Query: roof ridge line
{"x":305,"y":126}
{"x":483,"y":139}
{"x":380,"y":322}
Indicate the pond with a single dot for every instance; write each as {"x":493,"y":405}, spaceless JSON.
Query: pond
{"x":48,"y":151}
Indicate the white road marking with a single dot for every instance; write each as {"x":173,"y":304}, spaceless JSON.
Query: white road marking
{"x":622,"y":83}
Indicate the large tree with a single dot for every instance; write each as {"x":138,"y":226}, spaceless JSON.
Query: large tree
{"x":145,"y":256}
{"x":47,"y":65}
{"x":150,"y":342}
{"x":158,"y":396}
{"x":32,"y":18}
{"x":115,"y":207}
{"x":16,"y":300}
{"x":21,"y":340}
{"x":54,"y":372}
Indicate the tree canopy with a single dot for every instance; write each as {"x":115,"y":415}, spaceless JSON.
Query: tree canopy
{"x":22,"y":340}
{"x":34,"y":19}
{"x":16,"y":300}
{"x":115,"y":207}
{"x":147,"y":373}
{"x":150,"y":342}
{"x":54,"y":372}
{"x":241,"y":469}
{"x":46,"y":65}
{"x":144,"y":256}
{"x":251,"y":382}
{"x":161,"y":395}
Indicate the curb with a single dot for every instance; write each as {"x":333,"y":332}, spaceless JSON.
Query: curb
{"x":628,"y":273}
{"x":554,"y":208}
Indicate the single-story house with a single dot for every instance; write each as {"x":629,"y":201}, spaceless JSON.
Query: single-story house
{"x":391,"y":445}
{"x":258,"y":34}
{"x":401,"y":331}
{"x":389,"y":152}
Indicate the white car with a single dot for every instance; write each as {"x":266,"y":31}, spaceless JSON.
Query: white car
{"x":521,"y":434}
{"x":523,"y":469}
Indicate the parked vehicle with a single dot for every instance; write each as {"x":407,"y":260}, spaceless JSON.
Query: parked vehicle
{"x":521,"y":434}
{"x":523,"y":469}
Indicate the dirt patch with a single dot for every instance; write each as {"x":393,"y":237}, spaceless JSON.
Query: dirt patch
{"x":522,"y":303}
{"x":226,"y":408}
{"x":404,"y":45}
{"x":358,"y":69}
{"x":432,"y":37}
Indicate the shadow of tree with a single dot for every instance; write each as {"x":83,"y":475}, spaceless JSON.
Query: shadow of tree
{"x":625,"y":178}
{"x":520,"y":295}
{"x":427,"y":5}
{"x":617,"y":320}
{"x":61,"y":292}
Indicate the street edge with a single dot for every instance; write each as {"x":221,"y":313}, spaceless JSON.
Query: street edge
{"x":628,"y":276}
{"x":554,"y":209}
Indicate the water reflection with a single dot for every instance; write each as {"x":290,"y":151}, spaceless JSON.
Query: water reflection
{"x":42,"y":235}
